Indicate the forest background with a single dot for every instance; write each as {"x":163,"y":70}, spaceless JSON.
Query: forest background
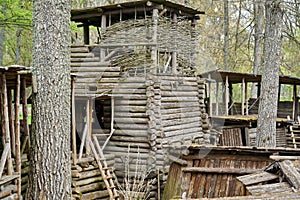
{"x":227,"y":34}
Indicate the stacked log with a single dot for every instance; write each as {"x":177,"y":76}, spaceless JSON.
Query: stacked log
{"x":87,"y":182}
{"x":8,"y":188}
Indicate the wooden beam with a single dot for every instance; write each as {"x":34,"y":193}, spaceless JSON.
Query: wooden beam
{"x":86,"y":33}
{"x":220,"y":170}
{"x":246,"y":98}
{"x":154,"y":55}
{"x":289,"y":170}
{"x":295,"y":102}
{"x":11,"y":121}
{"x":74,"y":151}
{"x":226,"y":95}
{"x":6,"y":124}
{"x":103,"y":29}
{"x":4,"y":157}
{"x":25,"y":114}
{"x":210,"y":96}
{"x":243,"y":96}
{"x":251,"y":179}
{"x":217,"y":98}
{"x":174,"y":53}
{"x":17,"y":134}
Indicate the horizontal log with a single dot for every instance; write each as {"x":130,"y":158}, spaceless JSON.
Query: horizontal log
{"x":180,"y":116}
{"x":6,"y":179}
{"x":130,"y":96}
{"x":95,"y":195}
{"x":123,"y":108}
{"x":129,"y":91}
{"x":131,"y":102}
{"x":87,"y":181}
{"x":175,"y":93}
{"x":129,"y":139}
{"x":193,"y":124}
{"x":90,"y":64}
{"x":123,"y":150}
{"x":81,"y":49}
{"x":277,"y":158}
{"x":134,"y":133}
{"x":180,"y":99}
{"x":168,"y":105}
{"x":82,"y":55}
{"x":103,"y":68}
{"x":91,"y":59}
{"x":131,"y":126}
{"x":185,"y":88}
{"x":86,"y":174}
{"x":220,"y":170}
{"x":131,"y":120}
{"x":180,"y":110}
{"x":141,"y":145}
{"x":89,"y":188}
{"x":182,"y":121}
{"x":184,"y":131}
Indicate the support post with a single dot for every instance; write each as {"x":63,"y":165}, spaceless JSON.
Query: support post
{"x":226,"y":95}
{"x":73,"y":123}
{"x":217,"y":98}
{"x":243,"y":96}
{"x":6,"y":124}
{"x":154,"y":39}
{"x":17,"y":134}
{"x":295,"y":102}
{"x":210,"y":96}
{"x":246,"y":98}
{"x":86,"y":32}
{"x":174,"y":53}
{"x":11,"y":121}
{"x":25,"y":114}
{"x":103,"y":28}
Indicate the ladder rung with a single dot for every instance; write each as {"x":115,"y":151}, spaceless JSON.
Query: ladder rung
{"x":108,"y":177}
{"x":101,"y":135}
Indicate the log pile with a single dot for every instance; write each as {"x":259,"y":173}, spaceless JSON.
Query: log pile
{"x":87,"y":182}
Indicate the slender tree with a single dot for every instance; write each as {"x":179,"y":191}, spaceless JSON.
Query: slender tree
{"x":50,"y":171}
{"x":258,"y":41}
{"x":226,"y":35}
{"x":267,"y":112}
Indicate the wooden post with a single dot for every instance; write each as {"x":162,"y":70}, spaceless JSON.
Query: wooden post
{"x":89,"y":136}
{"x":295,"y":102}
{"x":17,"y":134}
{"x":226,"y":95}
{"x":6,"y":121}
{"x":279,"y":93}
{"x":74,"y":151}
{"x":25,"y":114}
{"x":174,"y":53}
{"x":210,"y":95}
{"x":230,"y":98}
{"x":11,"y":121}
{"x":154,"y":39}
{"x":217,"y":98}
{"x":246,"y":98}
{"x":86,"y":32}
{"x":103,"y":28}
{"x":243,"y":96}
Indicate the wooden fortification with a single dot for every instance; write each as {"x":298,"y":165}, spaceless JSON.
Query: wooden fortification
{"x":136,"y":94}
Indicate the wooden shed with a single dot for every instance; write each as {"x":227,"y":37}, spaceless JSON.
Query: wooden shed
{"x":234,"y":112}
{"x":135,"y":87}
{"x":211,"y":172}
{"x":14,"y":80}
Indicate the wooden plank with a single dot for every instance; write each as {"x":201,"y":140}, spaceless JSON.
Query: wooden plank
{"x":257,"y":178}
{"x":6,"y":179}
{"x":220,"y":170}
{"x":290,"y":172}
{"x":269,"y":188}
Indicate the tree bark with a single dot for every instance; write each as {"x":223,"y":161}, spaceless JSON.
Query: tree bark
{"x":258,"y":41}
{"x":50,"y":169}
{"x":226,"y":35}
{"x":267,"y":112}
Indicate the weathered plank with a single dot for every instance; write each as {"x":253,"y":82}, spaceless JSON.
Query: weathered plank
{"x":290,"y":172}
{"x":269,"y":188}
{"x":257,"y":178}
{"x":220,"y":170}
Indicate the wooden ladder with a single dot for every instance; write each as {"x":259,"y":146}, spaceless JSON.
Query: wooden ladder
{"x":107,"y":175}
{"x":295,"y":136}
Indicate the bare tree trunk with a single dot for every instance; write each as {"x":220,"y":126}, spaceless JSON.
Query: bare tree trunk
{"x":258,"y":41}
{"x":2,"y":36}
{"x":50,"y":170}
{"x":267,"y":112}
{"x":226,"y":35}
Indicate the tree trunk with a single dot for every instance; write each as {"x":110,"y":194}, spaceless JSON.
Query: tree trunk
{"x":2,"y":35}
{"x":267,"y":112}
{"x":226,"y":35}
{"x":258,"y":41}
{"x":50,"y":170}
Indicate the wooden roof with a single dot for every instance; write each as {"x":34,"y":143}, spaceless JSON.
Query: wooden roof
{"x":12,"y":71}
{"x":237,"y":77}
{"x":130,"y":10}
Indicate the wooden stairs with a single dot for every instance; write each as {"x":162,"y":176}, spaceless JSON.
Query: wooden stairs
{"x":293,"y":136}
{"x":106,"y":172}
